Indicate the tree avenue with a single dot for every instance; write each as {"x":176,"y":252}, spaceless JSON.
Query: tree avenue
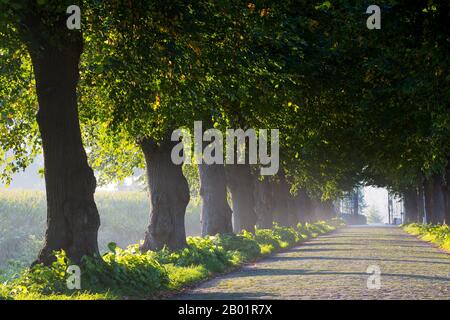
{"x":353,"y":107}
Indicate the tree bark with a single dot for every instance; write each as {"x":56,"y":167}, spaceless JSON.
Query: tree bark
{"x":301,"y":204}
{"x":420,"y":204}
{"x":355,"y":203}
{"x":241,"y":184}
{"x":282,"y":202}
{"x":307,"y":207}
{"x":410,"y":205}
{"x":447,"y":193}
{"x":435,"y":199}
{"x":72,"y":216}
{"x":293,"y":209}
{"x":169,"y":197}
{"x":428,"y":195}
{"x":438,"y":199}
{"x":216,"y":214}
{"x":320,"y":210}
{"x":312,"y":205}
{"x":264,"y":203}
{"x":329,"y":210}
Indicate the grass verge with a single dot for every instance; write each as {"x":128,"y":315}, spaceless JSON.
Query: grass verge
{"x":129,"y":273}
{"x":437,"y":234}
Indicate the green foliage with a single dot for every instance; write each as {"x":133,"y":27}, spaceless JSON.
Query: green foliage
{"x":125,"y":272}
{"x":438,"y":234}
{"x":122,"y":272}
{"x":266,"y":238}
{"x":317,"y":228}
{"x":276,"y":238}
{"x":131,"y":273}
{"x":42,"y":279}
{"x":286,"y":234}
{"x":337,"y":222}
{"x":310,"y":69}
{"x":240,"y":246}
{"x":19,"y":141}
{"x":200,"y":251}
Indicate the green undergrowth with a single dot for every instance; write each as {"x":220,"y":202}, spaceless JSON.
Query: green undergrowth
{"x":438,"y":234}
{"x":129,"y":273}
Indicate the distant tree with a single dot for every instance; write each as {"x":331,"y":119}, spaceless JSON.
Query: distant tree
{"x":373,"y":215}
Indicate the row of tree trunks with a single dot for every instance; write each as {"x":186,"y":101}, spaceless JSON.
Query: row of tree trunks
{"x":289,"y":209}
{"x":255,"y":202}
{"x":72,"y":216}
{"x":169,"y":197}
{"x":430,"y":202}
{"x":275,"y":203}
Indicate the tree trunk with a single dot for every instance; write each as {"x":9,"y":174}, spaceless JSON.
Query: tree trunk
{"x":241,"y":185}
{"x":355,"y":203}
{"x":410,"y":205}
{"x":294,"y":208}
{"x":308,"y":208}
{"x":282,"y":205}
{"x":72,"y":216}
{"x":216,"y":214}
{"x":264,"y":203}
{"x":428,"y":195}
{"x":329,"y":210}
{"x":169,"y":197}
{"x":447,"y":193}
{"x":301,"y":199}
{"x":435,"y":199}
{"x":438,"y":199}
{"x":312,"y":217}
{"x":321,"y":210}
{"x":420,"y":204}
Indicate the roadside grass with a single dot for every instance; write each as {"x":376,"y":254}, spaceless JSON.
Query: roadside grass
{"x":23,"y":216}
{"x":129,"y":273}
{"x":437,"y":234}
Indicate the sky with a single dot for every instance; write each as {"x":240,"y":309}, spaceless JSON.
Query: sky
{"x":378,"y":198}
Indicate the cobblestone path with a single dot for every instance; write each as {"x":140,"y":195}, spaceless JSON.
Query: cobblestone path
{"x":334,"y":267}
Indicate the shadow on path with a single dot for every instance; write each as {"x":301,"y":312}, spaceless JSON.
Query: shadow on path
{"x":333,"y":267}
{"x":276,"y":258}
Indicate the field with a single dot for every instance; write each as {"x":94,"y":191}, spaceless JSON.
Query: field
{"x":124,"y":218}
